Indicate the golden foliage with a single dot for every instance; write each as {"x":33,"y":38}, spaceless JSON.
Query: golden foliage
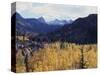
{"x":61,"y":56}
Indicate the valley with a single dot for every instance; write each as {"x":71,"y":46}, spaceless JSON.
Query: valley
{"x":43,"y":47}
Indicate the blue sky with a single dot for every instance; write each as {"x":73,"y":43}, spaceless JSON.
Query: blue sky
{"x":53,"y":11}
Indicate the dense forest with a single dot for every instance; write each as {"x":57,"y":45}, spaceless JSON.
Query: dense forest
{"x":57,"y":56}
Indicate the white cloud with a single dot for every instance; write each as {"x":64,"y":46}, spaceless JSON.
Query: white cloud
{"x":52,"y":11}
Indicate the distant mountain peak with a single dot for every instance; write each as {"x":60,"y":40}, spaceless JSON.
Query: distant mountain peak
{"x":41,"y":19}
{"x":60,"y":22}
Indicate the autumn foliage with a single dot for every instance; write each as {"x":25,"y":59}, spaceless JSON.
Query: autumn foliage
{"x":59,"y":56}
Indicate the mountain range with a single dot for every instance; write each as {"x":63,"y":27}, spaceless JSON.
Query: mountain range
{"x":36,"y":25}
{"x":60,"y":22}
{"x":81,"y":31}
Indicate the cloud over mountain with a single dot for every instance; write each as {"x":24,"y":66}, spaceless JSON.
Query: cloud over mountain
{"x":52,"y":11}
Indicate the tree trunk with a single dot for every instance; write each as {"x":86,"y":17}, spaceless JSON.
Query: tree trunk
{"x":82,"y":59}
{"x":26,"y":56}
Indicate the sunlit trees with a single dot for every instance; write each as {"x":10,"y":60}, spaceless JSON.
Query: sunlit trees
{"x":62,"y":56}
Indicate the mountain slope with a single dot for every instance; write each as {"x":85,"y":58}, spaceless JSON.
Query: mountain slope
{"x":32,"y":25}
{"x":82,"y":31}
